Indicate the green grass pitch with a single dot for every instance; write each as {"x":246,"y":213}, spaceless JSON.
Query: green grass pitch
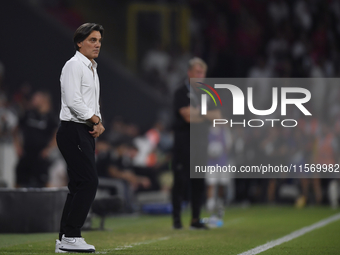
{"x":243,"y":229}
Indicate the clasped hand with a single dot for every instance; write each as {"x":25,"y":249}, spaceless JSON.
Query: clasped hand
{"x":97,"y":130}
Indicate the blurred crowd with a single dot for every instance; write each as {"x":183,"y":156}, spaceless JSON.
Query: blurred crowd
{"x":140,"y":161}
{"x":237,"y":38}
{"x":276,"y":38}
{"x":29,"y":123}
{"x":265,"y":39}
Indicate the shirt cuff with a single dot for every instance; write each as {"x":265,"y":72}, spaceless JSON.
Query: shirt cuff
{"x":100,"y":117}
{"x":89,"y":114}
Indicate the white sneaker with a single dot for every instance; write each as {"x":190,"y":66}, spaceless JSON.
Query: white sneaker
{"x":75,"y":244}
{"x":57,"y":246}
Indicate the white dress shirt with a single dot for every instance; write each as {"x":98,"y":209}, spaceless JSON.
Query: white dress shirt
{"x":79,"y":89}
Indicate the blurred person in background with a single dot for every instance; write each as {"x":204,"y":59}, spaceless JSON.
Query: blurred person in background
{"x":219,"y":184}
{"x":333,"y":186}
{"x":117,"y":130}
{"x":115,"y":162}
{"x":34,"y":138}
{"x":57,"y":174}
{"x":21,"y":98}
{"x":310,"y":129}
{"x":181,"y":154}
{"x":326,"y":151}
{"x":155,"y":65}
{"x":8,"y":123}
{"x":80,"y":124}
{"x":147,"y":145}
{"x":276,"y":149}
{"x":8,"y":118}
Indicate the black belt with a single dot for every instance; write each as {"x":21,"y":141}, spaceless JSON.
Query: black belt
{"x":87,"y":123}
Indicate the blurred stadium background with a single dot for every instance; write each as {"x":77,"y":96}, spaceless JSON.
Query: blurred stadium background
{"x":144,"y":56}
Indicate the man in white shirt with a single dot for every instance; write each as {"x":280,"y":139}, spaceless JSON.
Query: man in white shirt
{"x":80,"y":125}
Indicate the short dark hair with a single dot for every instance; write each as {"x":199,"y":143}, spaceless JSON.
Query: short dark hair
{"x":84,"y":31}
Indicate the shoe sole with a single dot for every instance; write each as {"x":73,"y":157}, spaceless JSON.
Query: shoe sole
{"x":78,"y":250}
{"x":60,"y":251}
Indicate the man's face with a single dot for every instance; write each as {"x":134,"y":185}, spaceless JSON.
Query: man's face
{"x":37,"y":100}
{"x":197,"y":71}
{"x":90,"y":47}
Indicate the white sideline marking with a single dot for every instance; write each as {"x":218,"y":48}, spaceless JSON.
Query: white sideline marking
{"x":291,"y":236}
{"x":132,"y":245}
{"x":227,"y":223}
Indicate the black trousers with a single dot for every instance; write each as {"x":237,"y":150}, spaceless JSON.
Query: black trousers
{"x":78,"y":149}
{"x":182,"y":182}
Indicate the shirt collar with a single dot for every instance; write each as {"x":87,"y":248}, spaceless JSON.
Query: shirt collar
{"x":86,"y":61}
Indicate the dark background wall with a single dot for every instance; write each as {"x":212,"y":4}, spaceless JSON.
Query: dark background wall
{"x":34,"y":49}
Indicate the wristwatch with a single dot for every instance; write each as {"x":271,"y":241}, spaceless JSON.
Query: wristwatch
{"x":95,"y":124}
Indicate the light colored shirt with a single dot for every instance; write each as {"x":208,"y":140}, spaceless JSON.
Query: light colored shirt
{"x":79,"y":89}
